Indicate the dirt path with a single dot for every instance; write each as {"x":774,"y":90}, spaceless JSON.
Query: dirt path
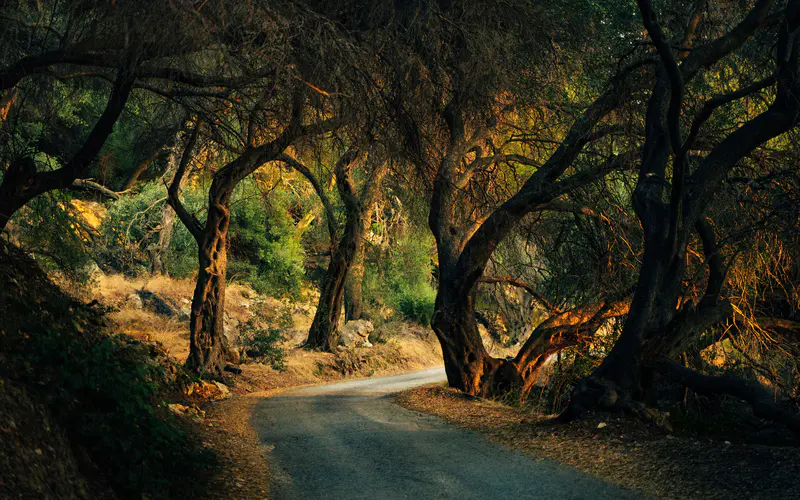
{"x":349,"y":441}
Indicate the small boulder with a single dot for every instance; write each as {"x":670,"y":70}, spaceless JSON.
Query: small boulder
{"x":179,"y":409}
{"x":356,"y":333}
{"x":185,"y":313}
{"x":93,"y":271}
{"x":233,"y":340}
{"x":134,"y":301}
{"x":223,"y":388}
{"x":205,"y":391}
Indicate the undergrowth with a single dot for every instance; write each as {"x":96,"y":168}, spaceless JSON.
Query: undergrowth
{"x":106,"y":391}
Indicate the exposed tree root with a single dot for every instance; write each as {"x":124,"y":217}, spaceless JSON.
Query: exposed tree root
{"x":759,"y":397}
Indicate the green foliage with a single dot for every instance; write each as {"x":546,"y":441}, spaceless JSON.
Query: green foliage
{"x":266,"y":249}
{"x":107,"y":391}
{"x":263,"y":333}
{"x":131,"y":226}
{"x":402,"y":278}
{"x":416,"y":303}
{"x":53,"y":230}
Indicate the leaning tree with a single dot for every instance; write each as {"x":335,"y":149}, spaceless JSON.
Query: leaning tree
{"x":345,"y":242}
{"x":308,"y":91}
{"x":72,"y":42}
{"x":660,"y":322}
{"x":469,"y":124}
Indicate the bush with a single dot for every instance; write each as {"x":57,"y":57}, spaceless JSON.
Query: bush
{"x":417,"y":303}
{"x":263,"y":333}
{"x":131,"y":226}
{"x":266,"y":249}
{"x":107,"y":391}
{"x":402,"y":278}
{"x":53,"y":229}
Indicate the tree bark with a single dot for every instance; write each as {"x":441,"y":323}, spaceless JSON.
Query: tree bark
{"x":208,"y":346}
{"x":323,"y":333}
{"x":22,"y":182}
{"x":656,"y":326}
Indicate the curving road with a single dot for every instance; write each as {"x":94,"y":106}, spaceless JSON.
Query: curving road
{"x":350,"y":441}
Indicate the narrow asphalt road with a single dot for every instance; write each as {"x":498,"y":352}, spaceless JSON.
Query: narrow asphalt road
{"x":350,"y":441}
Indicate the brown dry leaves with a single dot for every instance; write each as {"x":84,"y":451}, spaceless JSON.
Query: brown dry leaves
{"x":624,"y":451}
{"x":244,"y":469}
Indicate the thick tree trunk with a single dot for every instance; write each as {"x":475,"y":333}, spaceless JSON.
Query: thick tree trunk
{"x":471,"y":369}
{"x":208,"y":347}
{"x":323,"y":333}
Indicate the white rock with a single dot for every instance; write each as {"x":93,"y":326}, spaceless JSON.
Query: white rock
{"x":223,"y":388}
{"x":185,"y":313}
{"x":134,"y":301}
{"x":354,"y":333}
{"x":93,"y":270}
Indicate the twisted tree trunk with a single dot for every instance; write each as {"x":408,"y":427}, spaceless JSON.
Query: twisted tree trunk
{"x":208,"y":347}
{"x":656,"y":326}
{"x":21,"y":182}
{"x":323,"y":333}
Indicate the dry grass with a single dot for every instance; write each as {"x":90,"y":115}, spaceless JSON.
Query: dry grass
{"x":244,"y":471}
{"x":405,"y":347}
{"x":624,"y":451}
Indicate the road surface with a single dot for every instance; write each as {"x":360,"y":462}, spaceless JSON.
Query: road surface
{"x":350,"y":441}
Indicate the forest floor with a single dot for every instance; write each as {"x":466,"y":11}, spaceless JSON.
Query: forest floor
{"x":624,"y":451}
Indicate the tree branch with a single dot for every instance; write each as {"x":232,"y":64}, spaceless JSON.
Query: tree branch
{"x":521,"y":284}
{"x":174,"y":191}
{"x":330,"y":214}
{"x":88,"y":185}
{"x":761,"y":399}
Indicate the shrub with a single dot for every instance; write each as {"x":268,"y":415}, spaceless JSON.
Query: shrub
{"x":132,"y":225}
{"x":263,"y":334}
{"x":417,"y":303}
{"x":402,"y":278}
{"x":263,"y":344}
{"x":266,"y":249}
{"x":52,"y":228}
{"x":107,"y":391}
